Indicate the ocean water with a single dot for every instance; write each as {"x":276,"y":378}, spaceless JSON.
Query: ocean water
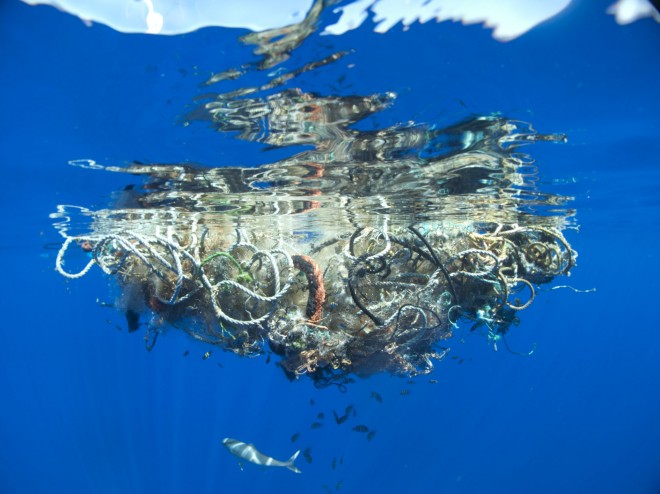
{"x":86,"y":408}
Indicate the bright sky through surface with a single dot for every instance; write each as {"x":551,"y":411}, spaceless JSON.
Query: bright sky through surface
{"x":509,"y":19}
{"x":177,"y":17}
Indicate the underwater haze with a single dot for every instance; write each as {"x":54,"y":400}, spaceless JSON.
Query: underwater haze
{"x":423,"y":256}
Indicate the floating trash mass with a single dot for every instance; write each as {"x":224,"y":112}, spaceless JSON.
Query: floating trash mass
{"x":360,"y":255}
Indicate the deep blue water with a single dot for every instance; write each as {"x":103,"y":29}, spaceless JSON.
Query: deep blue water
{"x":86,"y":409}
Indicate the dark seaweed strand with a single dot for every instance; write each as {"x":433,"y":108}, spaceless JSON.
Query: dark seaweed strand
{"x":437,"y":262}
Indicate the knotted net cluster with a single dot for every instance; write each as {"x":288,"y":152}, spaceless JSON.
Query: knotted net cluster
{"x":366,"y":301}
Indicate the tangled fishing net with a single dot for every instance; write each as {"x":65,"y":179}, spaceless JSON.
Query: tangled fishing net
{"x":366,"y":301}
{"x":369,"y":293}
{"x":360,"y":255}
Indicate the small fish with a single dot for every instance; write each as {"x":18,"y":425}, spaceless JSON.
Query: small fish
{"x":312,"y":402}
{"x":185,"y":354}
{"x":334,"y":463}
{"x":377,"y":397}
{"x":361,"y":428}
{"x":371,"y":435}
{"x":219,"y":365}
{"x":404,"y":392}
{"x":349,"y":409}
{"x":206,"y":355}
{"x":410,"y":381}
{"x":339,"y":485}
{"x":316,"y":425}
{"x":250,"y":453}
{"x":295,"y":437}
{"x":320,"y":416}
{"x":433,"y":381}
{"x":338,"y":419}
{"x":268,"y":358}
{"x":307,"y":454}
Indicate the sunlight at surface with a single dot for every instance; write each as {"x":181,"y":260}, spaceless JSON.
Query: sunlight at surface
{"x":627,"y":11}
{"x":509,"y":19}
{"x":176,"y":17}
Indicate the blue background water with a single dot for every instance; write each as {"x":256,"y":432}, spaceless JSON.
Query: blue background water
{"x":84,"y":408}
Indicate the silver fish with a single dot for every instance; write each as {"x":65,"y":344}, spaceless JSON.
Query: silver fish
{"x":248,"y":452}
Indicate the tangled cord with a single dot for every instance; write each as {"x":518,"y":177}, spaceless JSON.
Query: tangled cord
{"x":176,"y":266}
{"x":371,"y":301}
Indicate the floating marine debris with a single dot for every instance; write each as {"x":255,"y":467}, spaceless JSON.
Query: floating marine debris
{"x":359,"y":255}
